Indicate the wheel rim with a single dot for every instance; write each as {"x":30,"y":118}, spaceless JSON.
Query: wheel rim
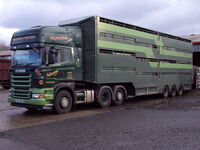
{"x":173,"y":91}
{"x":119,"y":96}
{"x":64,"y":102}
{"x":105,"y":97}
{"x":180,"y":91}
{"x":166,"y":92}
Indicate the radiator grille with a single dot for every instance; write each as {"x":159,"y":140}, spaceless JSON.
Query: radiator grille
{"x":21,"y":84}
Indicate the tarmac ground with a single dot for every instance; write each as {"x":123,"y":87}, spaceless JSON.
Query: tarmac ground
{"x":148,"y":122}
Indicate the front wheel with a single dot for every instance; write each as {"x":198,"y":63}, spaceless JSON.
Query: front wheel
{"x":62,"y":102}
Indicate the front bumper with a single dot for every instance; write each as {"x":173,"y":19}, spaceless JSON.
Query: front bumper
{"x":37,"y":102}
{"x":31,"y":106}
{"x":46,"y":101}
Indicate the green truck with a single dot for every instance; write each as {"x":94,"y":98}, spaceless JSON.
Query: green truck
{"x":95,"y":59}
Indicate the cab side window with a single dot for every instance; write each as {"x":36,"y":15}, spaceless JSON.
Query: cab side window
{"x":64,"y":55}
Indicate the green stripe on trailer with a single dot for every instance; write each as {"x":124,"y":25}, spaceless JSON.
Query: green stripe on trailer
{"x":175,"y":66}
{"x":120,"y":46}
{"x":154,"y":64}
{"x":122,"y":30}
{"x":175,"y":53}
{"x":148,"y":52}
{"x":170,"y":65}
{"x":171,"y":53}
{"x":132,"y":32}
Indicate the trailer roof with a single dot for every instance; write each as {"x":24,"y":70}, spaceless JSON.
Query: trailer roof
{"x":73,"y":21}
{"x":121,"y":24}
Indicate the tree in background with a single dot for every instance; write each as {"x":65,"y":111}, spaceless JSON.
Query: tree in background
{"x":3,"y":46}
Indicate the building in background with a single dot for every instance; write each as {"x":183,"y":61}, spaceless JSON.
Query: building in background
{"x":5,"y":61}
{"x":196,"y":48}
{"x":196,"y":57}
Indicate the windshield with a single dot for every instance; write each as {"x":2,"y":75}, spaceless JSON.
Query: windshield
{"x":28,"y":57}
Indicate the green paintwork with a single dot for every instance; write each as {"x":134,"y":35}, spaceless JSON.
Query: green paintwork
{"x":43,"y":35}
{"x":42,"y":90}
{"x":122,"y":30}
{"x":174,"y":53}
{"x":132,"y":48}
{"x":170,"y":65}
{"x":48,"y":92}
{"x":171,"y":53}
{"x":175,"y":66}
{"x":37,"y":102}
{"x":148,"y":52}
{"x":141,"y":72}
{"x":132,"y":32}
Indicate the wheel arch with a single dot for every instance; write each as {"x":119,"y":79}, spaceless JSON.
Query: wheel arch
{"x":67,"y":87}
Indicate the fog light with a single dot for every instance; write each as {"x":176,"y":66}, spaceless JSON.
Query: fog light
{"x":41,"y":82}
{"x":37,"y":96}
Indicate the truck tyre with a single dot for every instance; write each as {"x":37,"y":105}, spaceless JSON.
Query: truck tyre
{"x":105,"y":97}
{"x":180,"y":91}
{"x":173,"y":91}
{"x":165,"y":92}
{"x":119,"y":96}
{"x":62,"y":102}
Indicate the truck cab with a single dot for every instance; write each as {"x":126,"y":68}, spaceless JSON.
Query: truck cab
{"x":42,"y":57}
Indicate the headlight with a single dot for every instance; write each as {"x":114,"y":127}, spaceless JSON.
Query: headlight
{"x":37,"y":96}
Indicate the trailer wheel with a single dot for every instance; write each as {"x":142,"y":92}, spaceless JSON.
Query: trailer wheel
{"x":119,"y":96}
{"x":173,"y":91}
{"x":180,"y":91}
{"x":165,"y":92}
{"x":62,"y":102}
{"x":105,"y":97}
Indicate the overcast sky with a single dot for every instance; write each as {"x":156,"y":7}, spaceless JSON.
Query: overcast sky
{"x":178,"y":17}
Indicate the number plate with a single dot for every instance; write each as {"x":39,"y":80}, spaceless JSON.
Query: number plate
{"x":19,"y":101}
